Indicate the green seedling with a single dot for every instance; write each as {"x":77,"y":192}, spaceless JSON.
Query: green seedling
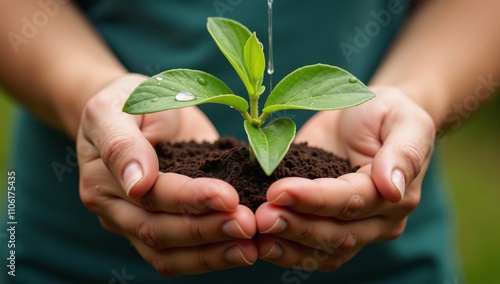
{"x":315,"y":87}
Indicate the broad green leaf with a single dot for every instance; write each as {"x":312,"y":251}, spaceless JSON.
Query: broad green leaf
{"x":255,"y":62}
{"x":271,"y":142}
{"x":191,"y":87}
{"x":231,"y":38}
{"x":317,"y":87}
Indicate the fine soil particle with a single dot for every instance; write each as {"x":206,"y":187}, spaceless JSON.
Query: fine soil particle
{"x":227,"y":159}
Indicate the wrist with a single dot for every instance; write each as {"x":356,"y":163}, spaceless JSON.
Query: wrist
{"x":70,"y":97}
{"x":430,"y":97}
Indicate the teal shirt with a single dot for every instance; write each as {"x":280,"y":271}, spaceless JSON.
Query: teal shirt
{"x":59,"y":241}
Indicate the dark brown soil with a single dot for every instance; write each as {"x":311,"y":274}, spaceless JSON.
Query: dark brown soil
{"x":227,"y":159}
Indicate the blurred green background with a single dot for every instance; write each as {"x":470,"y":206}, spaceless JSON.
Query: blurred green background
{"x":471,"y":156}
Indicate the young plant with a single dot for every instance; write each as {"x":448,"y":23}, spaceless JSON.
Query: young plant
{"x":315,"y":87}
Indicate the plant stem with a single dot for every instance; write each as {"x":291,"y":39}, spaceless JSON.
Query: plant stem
{"x":263,"y":117}
{"x":254,"y":106}
{"x":252,"y":154}
{"x":247,"y":116}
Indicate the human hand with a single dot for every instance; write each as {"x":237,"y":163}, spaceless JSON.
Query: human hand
{"x":178,"y":224}
{"x":321,"y":224}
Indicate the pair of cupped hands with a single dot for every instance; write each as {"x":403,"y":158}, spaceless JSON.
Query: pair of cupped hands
{"x":182,"y":225}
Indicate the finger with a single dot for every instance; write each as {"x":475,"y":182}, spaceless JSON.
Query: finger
{"x":348,"y":197}
{"x":188,"y":124}
{"x":407,"y":146}
{"x":199,"y":259}
{"x":289,"y":254}
{"x":309,"y":229}
{"x":175,"y":193}
{"x":163,"y":231}
{"x":118,"y":140}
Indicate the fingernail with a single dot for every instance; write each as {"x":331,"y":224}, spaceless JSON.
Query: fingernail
{"x":235,"y":255}
{"x":284,"y":199}
{"x":131,"y":175}
{"x":275,"y":252}
{"x":278,"y":226}
{"x":233,"y":229}
{"x":398,"y":179}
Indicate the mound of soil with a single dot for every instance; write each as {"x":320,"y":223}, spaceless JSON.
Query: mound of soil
{"x":227,"y":159}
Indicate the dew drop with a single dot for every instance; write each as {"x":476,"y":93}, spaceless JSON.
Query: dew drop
{"x":159,"y":78}
{"x":202,"y":81}
{"x":185,"y":97}
{"x":353,"y":80}
{"x":155,"y":100}
{"x":261,"y":45}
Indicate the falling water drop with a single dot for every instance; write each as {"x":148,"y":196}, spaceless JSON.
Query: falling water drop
{"x":270,"y":62}
{"x":353,"y":80}
{"x":185,"y":97}
{"x":202,"y":81}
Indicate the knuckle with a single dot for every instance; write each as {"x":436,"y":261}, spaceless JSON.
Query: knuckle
{"x":396,"y":231}
{"x":353,"y":207}
{"x":115,"y":148}
{"x":411,"y":201}
{"x":89,"y":198}
{"x":332,"y":264}
{"x":205,"y":261}
{"x":147,"y":234}
{"x":108,"y":226}
{"x":344,"y":243}
{"x":305,"y":233}
{"x":164,"y":269}
{"x":295,"y":262}
{"x":413,"y":157}
{"x":196,"y":231}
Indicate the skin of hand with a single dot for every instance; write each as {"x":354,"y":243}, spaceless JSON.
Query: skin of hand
{"x":321,"y":224}
{"x":120,"y":183}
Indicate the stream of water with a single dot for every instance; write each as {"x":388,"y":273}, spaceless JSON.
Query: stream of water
{"x":270,"y":62}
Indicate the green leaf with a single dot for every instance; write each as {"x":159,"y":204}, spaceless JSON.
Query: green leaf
{"x":159,"y":92}
{"x":317,"y":87}
{"x":255,"y":62}
{"x":231,"y":38}
{"x":271,"y":143}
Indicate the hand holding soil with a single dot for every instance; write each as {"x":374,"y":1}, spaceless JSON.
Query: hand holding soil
{"x":183,"y":225}
{"x":322,"y":223}
{"x":178,"y":224}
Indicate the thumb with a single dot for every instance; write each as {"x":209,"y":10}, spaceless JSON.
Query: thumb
{"x":131,"y":159}
{"x":117,"y":139}
{"x":405,"y":152}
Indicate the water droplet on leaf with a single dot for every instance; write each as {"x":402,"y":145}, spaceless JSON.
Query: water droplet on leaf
{"x":185,"y":97}
{"x":353,"y":80}
{"x":202,"y":81}
{"x":155,"y":100}
{"x":159,"y":78}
